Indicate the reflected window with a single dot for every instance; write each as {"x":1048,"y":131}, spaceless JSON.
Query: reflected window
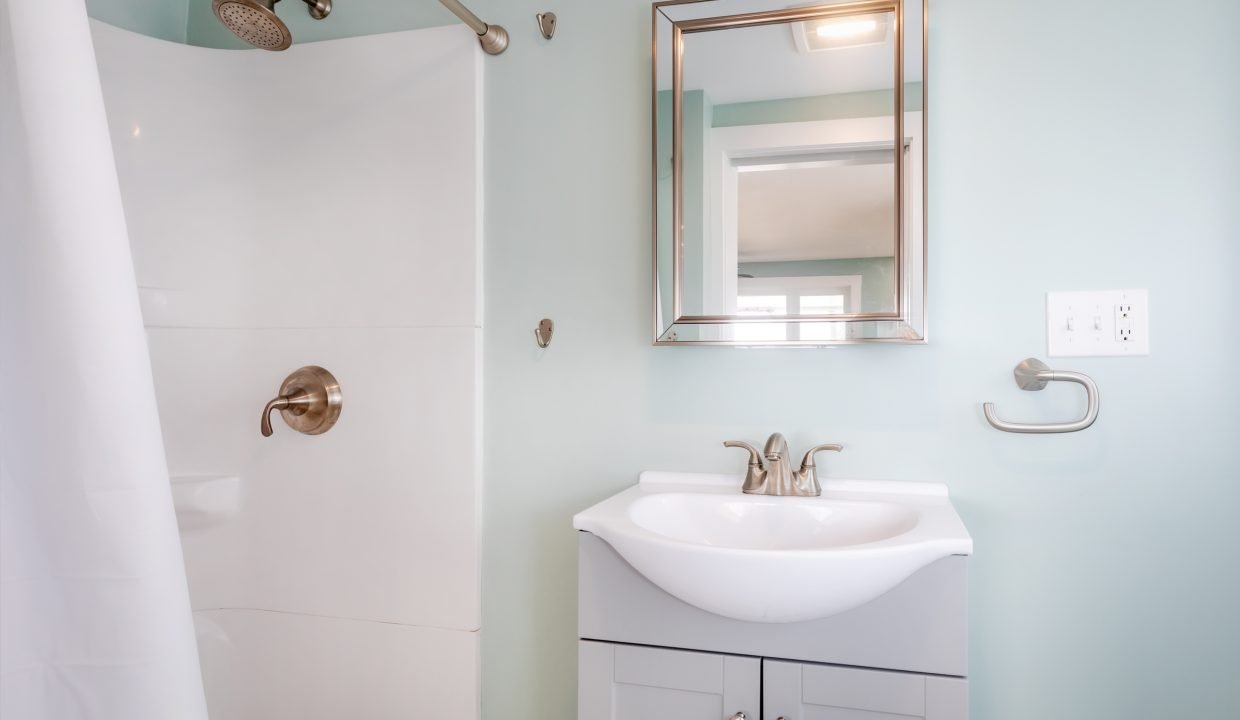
{"x":759,"y":305}
{"x":832,"y":304}
{"x":815,"y":295}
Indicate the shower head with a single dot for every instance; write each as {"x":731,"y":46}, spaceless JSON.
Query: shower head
{"x":256,"y":22}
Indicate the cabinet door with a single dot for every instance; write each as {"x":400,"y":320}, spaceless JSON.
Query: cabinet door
{"x":632,"y":682}
{"x":797,"y":691}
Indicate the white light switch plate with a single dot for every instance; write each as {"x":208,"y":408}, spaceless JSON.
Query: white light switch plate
{"x":1100,"y":322}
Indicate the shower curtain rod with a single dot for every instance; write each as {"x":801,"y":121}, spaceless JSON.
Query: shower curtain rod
{"x":493,"y":38}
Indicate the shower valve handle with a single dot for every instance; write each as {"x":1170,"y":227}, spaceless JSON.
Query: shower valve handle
{"x":295,"y":404}
{"x":309,"y":401}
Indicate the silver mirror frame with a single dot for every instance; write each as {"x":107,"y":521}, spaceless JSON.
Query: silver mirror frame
{"x":909,"y":323}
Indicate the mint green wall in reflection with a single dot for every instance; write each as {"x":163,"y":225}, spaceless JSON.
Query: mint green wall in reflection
{"x":696,"y":115}
{"x":1104,"y":584}
{"x":696,"y":111}
{"x":871,"y":103}
{"x":663,"y":215}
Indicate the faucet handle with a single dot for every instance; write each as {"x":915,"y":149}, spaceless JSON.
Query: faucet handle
{"x":808,"y":462}
{"x":755,"y":458}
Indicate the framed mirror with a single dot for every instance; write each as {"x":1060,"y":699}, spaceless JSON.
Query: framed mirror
{"x":789,"y":172}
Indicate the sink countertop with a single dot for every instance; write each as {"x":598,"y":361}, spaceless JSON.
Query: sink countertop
{"x":776,"y":559}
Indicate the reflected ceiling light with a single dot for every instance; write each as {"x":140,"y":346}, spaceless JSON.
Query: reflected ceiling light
{"x":840,"y":32}
{"x":848,"y":28}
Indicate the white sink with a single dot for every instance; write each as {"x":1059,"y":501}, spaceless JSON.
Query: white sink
{"x":777,"y":559}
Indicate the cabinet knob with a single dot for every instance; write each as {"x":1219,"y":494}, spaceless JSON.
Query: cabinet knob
{"x":738,"y":716}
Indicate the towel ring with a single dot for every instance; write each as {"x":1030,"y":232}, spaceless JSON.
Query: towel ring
{"x":1033,"y":374}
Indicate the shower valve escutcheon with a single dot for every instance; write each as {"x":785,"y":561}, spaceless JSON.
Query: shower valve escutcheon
{"x":309,"y":401}
{"x":770,"y":471}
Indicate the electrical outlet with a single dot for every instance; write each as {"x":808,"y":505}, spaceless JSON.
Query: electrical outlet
{"x":1123,"y":322}
{"x":1103,"y":323}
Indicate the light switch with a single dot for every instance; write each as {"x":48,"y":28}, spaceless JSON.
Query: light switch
{"x":1103,"y":322}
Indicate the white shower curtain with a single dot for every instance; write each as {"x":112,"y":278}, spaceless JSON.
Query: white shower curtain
{"x":94,"y":610}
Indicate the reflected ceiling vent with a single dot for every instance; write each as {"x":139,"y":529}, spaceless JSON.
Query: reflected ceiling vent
{"x":834,"y":33}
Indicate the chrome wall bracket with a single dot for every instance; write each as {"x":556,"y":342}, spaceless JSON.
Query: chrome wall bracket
{"x":1033,"y":374}
{"x":319,"y":9}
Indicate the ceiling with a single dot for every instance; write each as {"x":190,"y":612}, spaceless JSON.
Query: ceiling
{"x":763,"y":62}
{"x":818,"y":213}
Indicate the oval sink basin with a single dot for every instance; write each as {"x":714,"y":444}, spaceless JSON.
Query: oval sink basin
{"x":776,"y":559}
{"x":756,"y":522}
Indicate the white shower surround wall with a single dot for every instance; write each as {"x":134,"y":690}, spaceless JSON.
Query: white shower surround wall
{"x":318,"y":206}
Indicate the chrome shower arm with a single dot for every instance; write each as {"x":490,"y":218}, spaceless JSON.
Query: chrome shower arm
{"x":466,"y":16}
{"x":494,"y":39}
{"x":318,"y":9}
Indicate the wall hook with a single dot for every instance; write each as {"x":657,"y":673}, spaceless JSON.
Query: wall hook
{"x":544,"y":331}
{"x":546,"y":24}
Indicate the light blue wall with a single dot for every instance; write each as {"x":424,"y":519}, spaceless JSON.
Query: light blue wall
{"x":1105,"y":581}
{"x":164,"y":19}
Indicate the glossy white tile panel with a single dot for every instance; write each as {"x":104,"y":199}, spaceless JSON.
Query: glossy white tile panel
{"x":375,"y":519}
{"x":271,"y":666}
{"x":335,"y":184}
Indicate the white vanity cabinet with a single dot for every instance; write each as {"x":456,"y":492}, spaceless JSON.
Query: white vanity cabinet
{"x":645,"y":655}
{"x":804,"y":691}
{"x":634,"y":682}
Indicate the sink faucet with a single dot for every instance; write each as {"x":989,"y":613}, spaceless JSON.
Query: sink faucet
{"x":771,"y":474}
